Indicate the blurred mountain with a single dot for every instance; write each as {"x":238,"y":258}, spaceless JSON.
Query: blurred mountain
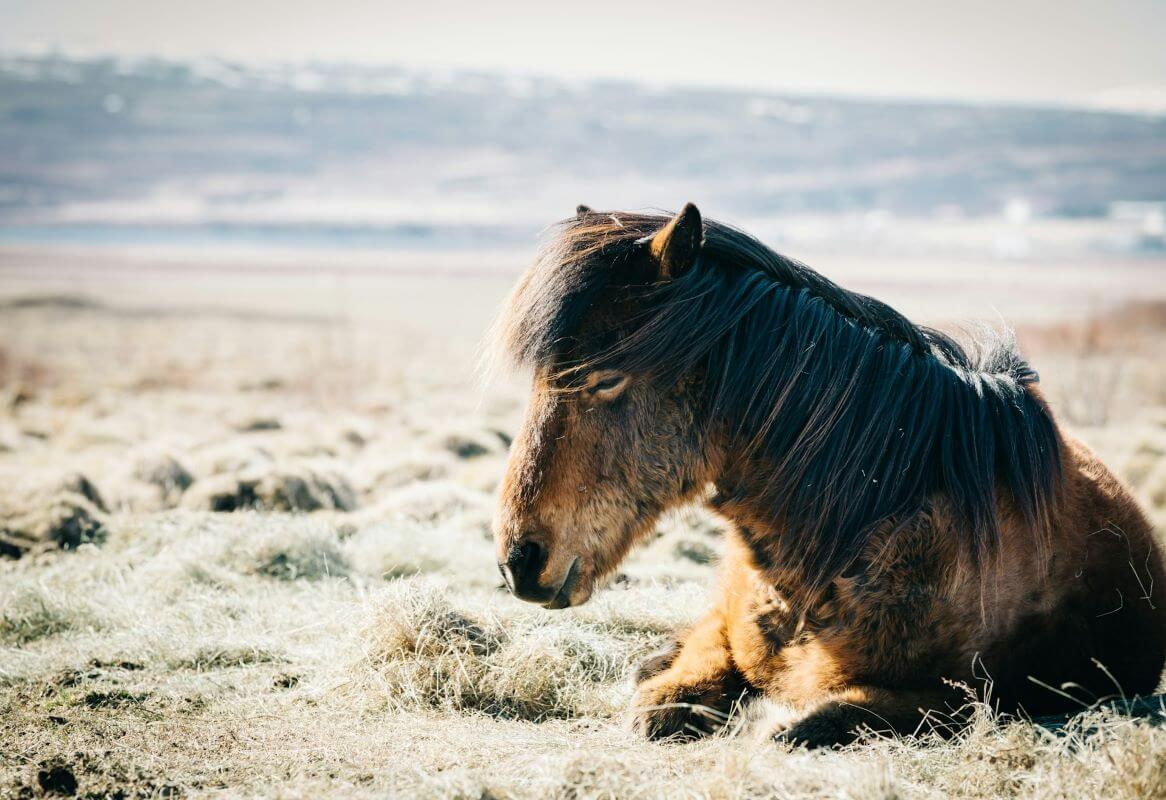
{"x":108,"y":142}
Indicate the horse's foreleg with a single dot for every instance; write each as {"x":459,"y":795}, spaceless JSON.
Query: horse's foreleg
{"x":843,"y":715}
{"x":692,"y":690}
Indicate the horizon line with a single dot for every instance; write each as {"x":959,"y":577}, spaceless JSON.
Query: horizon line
{"x":1093,"y":104}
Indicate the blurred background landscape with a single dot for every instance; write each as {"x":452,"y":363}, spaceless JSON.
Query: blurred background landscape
{"x":147,"y":150}
{"x":248,"y":255}
{"x":334,"y":169}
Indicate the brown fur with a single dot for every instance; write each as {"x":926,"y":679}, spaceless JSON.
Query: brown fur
{"x":879,"y":650}
{"x":1052,"y":620}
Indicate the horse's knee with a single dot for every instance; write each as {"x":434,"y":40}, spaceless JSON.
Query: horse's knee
{"x":656,"y":663}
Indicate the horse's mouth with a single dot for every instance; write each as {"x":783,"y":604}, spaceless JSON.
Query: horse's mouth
{"x":562,"y":598}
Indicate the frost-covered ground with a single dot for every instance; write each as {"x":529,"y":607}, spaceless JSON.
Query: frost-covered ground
{"x":278,"y":580}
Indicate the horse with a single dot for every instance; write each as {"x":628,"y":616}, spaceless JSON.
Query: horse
{"x":906,"y":519}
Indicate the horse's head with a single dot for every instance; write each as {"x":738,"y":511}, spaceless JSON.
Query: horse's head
{"x":606,"y":445}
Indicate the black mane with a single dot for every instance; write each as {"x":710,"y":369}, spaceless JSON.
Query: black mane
{"x":863,"y":414}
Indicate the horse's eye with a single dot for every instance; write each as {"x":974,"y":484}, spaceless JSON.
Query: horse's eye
{"x":606,"y":384}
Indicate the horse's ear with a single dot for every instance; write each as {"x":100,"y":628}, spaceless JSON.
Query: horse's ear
{"x":582,"y":210}
{"x":676,"y":246}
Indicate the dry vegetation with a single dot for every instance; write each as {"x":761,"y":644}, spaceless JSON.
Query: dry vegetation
{"x":251,"y":556}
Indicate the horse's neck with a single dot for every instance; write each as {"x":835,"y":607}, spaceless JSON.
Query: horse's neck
{"x":758,"y":532}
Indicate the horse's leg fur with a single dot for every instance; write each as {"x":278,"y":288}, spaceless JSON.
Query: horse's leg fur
{"x":656,"y":663}
{"x":843,"y":715}
{"x":691,"y":691}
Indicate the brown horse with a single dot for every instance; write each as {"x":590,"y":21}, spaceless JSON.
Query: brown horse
{"x":905,"y":513}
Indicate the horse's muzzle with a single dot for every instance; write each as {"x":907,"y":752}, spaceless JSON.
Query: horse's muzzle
{"x":524,"y":564}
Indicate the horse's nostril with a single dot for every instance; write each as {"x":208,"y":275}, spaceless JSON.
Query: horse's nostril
{"x":524,"y":563}
{"x":527,"y":555}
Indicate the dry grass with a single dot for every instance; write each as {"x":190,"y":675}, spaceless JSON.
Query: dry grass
{"x":342,"y":632}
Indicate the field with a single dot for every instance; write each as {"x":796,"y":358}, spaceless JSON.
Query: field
{"x":245,"y":546}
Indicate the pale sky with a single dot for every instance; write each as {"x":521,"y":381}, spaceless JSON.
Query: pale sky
{"x":1019,"y":50}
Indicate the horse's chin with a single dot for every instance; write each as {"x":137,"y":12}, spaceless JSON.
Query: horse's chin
{"x":589,"y":572}
{"x":575,"y":590}
{"x":581,"y":594}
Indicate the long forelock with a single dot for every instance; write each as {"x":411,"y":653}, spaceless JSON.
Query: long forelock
{"x":549,"y":301}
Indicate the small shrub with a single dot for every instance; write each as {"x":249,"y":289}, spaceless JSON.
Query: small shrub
{"x":296,"y":488}
{"x":65,"y":520}
{"x":166,"y":472}
{"x":695,"y":551}
{"x":472,"y":443}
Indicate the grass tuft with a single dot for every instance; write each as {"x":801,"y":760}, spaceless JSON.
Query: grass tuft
{"x":301,"y":552}
{"x":424,"y":652}
{"x":31,"y":612}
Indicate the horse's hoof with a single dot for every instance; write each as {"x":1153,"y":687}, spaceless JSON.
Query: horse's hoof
{"x":816,"y":731}
{"x":673,"y":723}
{"x":682,"y":707}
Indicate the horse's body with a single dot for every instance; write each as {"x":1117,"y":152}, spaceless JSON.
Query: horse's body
{"x":884,"y":642}
{"x":904,"y":517}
